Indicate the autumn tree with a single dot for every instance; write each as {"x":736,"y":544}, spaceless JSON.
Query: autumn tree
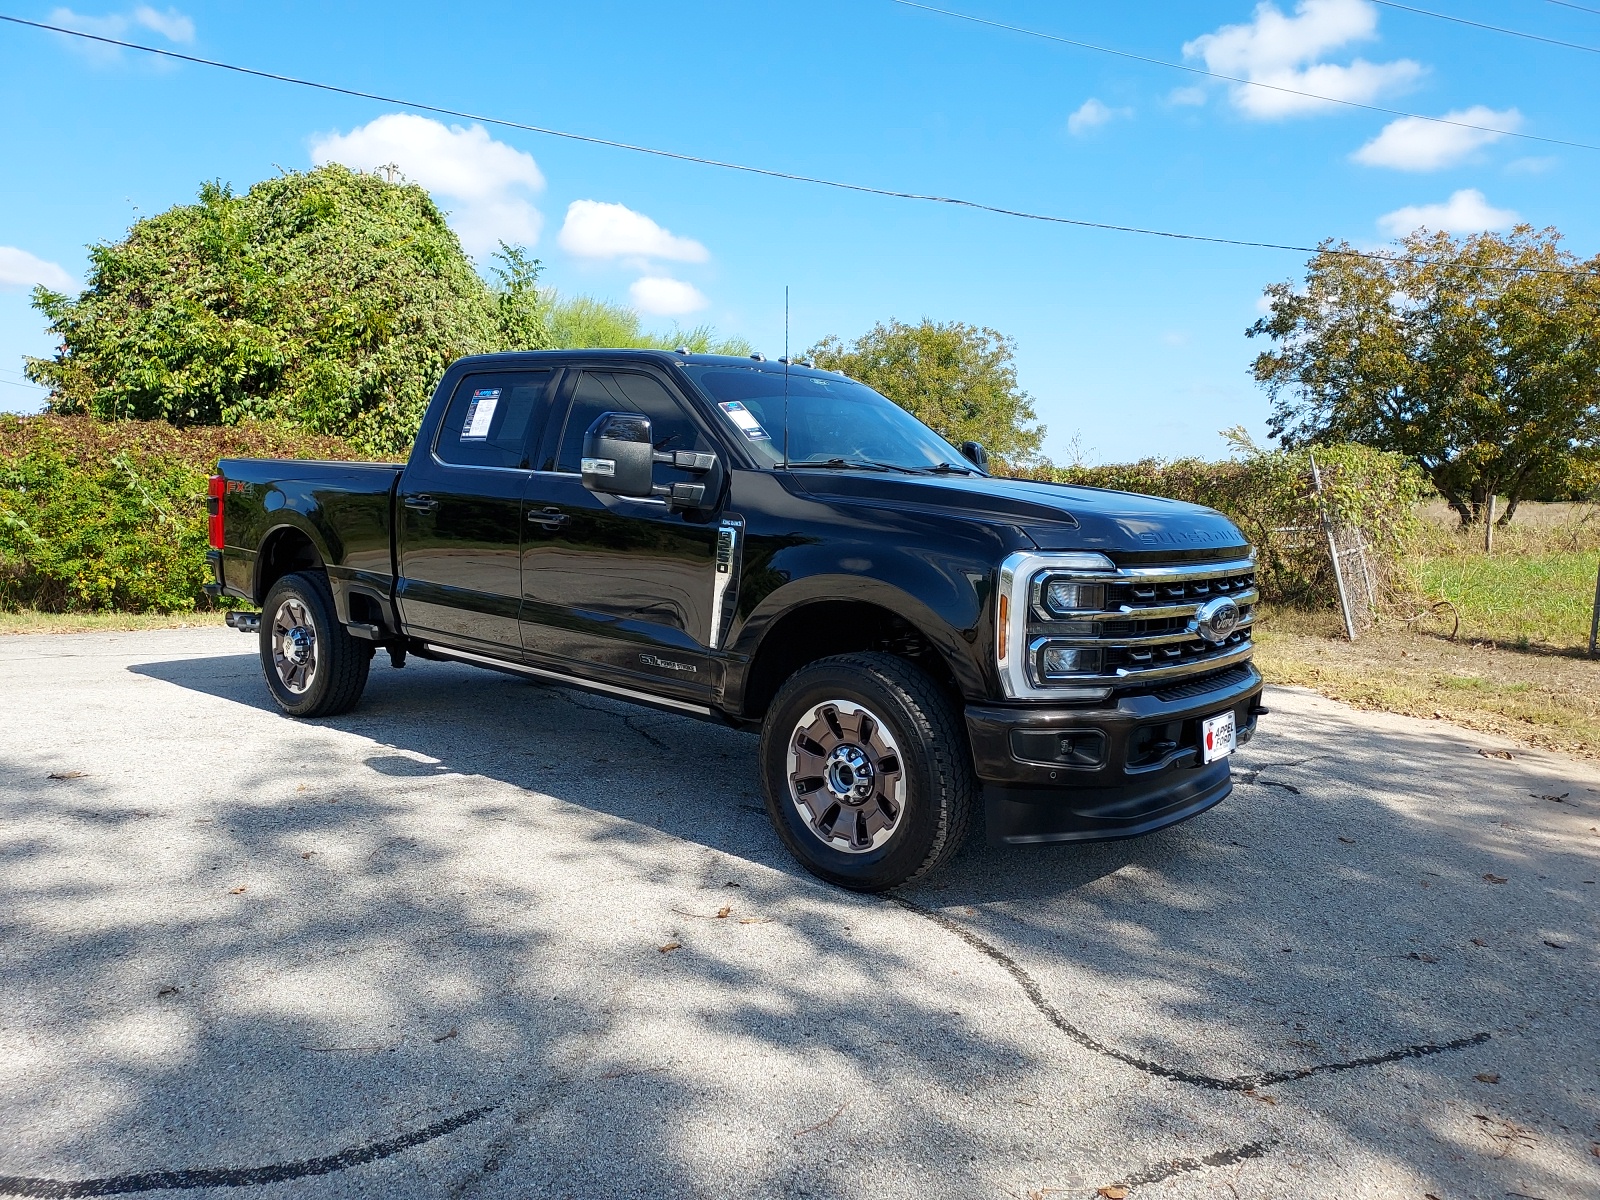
{"x":1477,"y":358}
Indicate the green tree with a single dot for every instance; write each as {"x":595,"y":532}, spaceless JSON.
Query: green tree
{"x":585,"y":323}
{"x":329,"y":299}
{"x":1478,"y":359}
{"x":958,"y":379}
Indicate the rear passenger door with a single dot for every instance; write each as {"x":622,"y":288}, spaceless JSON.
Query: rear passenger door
{"x":459,"y":507}
{"x":618,"y":588}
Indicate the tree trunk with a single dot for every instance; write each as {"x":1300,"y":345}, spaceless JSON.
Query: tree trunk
{"x":1455,"y":501}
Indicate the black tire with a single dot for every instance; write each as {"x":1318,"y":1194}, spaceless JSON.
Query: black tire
{"x":327,"y":672}
{"x":932,"y":772}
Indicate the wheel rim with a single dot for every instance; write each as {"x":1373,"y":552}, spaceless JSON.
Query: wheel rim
{"x":294,"y":645}
{"x":846,"y":776}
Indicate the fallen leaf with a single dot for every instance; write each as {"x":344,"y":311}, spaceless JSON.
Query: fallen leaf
{"x":1113,"y":1191}
{"x":731,"y":883}
{"x":69,"y":774}
{"x":235,"y":891}
{"x":1487,"y":1077}
{"x":754,"y":920}
{"x":308,"y":854}
{"x":301,"y":788}
{"x":1555,"y":945}
{"x":670,"y":947}
{"x":169,"y":990}
{"x":1554,"y":799}
{"x":1595,"y":1150}
{"x":1437,"y":715}
{"x":1505,"y":754}
{"x":445,"y":1037}
{"x":1348,"y":841}
{"x":724,"y":911}
{"x":1427,"y":958}
{"x":1494,"y":878}
{"x":1479,"y":942}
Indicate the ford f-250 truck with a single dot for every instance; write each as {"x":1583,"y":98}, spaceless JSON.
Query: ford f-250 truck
{"x":783,"y":549}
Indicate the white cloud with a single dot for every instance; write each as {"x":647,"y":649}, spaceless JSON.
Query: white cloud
{"x":19,"y":269}
{"x":171,"y":24}
{"x":1187,"y":97}
{"x":1465,"y":212}
{"x":1092,"y":114}
{"x":664,"y":297}
{"x":594,"y":229}
{"x":1532,"y":166}
{"x":1283,"y":51}
{"x":1413,"y":144}
{"x":487,"y":180}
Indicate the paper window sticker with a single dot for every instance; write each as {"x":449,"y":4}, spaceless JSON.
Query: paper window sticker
{"x":480,"y":414}
{"x":745,"y":420}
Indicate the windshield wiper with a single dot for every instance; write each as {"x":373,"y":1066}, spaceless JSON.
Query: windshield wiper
{"x":857,"y":464}
{"x":945,"y":468}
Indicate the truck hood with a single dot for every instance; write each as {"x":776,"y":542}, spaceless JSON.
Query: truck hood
{"x":1054,"y":516}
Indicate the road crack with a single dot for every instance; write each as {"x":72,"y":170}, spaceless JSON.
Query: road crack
{"x":1238,"y":1083}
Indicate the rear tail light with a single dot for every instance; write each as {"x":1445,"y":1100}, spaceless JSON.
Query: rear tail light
{"x":214,"y":491}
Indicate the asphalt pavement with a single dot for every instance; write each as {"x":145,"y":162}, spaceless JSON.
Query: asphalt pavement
{"x":483,"y":937}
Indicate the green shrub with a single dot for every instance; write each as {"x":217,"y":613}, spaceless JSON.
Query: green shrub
{"x":111,"y":514}
{"x":1269,"y":495}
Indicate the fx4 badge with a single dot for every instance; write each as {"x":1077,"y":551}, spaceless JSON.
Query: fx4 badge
{"x":666,"y":664}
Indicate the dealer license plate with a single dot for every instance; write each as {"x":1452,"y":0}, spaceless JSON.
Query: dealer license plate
{"x":1217,"y":737}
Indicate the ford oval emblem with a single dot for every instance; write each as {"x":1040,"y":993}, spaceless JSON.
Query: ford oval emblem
{"x":1217,"y":619}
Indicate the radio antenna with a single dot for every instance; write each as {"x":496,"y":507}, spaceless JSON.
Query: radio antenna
{"x":786,"y":377}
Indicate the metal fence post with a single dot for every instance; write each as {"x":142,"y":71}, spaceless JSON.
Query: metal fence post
{"x":1594,"y":623}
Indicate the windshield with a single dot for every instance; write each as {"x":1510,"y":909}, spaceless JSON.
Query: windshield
{"x":831,"y":420}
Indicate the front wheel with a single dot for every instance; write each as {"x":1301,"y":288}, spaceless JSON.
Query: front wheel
{"x":866,"y":771}
{"x":314,"y":668}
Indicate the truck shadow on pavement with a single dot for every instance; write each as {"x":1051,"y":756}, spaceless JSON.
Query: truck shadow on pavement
{"x":473,"y":891}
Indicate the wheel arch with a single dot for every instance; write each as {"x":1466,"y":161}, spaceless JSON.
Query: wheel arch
{"x":285,"y":549}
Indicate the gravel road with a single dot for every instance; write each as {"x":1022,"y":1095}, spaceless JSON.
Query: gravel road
{"x":487,"y":938}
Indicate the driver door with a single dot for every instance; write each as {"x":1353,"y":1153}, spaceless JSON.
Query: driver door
{"x":614,"y":588}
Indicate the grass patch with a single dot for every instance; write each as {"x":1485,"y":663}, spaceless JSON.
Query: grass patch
{"x":1532,"y":599}
{"x":32,"y":621}
{"x":1541,"y":697}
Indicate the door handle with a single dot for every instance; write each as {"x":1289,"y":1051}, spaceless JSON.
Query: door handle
{"x":548,"y":518}
{"x":421,"y":503}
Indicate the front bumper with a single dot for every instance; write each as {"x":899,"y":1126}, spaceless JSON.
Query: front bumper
{"x":1081,"y":774}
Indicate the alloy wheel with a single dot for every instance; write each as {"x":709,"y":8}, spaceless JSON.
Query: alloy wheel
{"x":846,"y":776}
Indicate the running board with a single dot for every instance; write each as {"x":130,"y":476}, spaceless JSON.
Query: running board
{"x":590,"y":685}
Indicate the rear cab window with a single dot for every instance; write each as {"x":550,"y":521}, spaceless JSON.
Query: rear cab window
{"x":494,"y":418}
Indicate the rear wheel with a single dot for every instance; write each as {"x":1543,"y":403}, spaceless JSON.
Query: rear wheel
{"x":866,"y":771}
{"x":314,"y":668}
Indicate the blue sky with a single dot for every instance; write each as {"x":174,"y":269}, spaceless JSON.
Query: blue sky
{"x":1133,"y":345}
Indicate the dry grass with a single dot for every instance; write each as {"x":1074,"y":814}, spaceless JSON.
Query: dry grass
{"x":1540,"y":697}
{"x":31,"y":621}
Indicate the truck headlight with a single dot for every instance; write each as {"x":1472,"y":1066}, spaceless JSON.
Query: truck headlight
{"x":1059,"y":661}
{"x":1065,"y":596}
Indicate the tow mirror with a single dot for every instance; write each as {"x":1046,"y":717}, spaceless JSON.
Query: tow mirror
{"x":975,"y":454}
{"x":619,"y":457}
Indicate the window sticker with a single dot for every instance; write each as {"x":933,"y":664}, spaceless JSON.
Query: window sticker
{"x":745,"y":420}
{"x":480,"y":414}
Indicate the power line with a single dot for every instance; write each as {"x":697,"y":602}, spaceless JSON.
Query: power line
{"x":1579,"y":7}
{"x":1256,"y":83}
{"x":1532,"y":37}
{"x":764,"y":172}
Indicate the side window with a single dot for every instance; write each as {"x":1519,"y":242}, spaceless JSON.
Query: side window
{"x":625,"y":391}
{"x":493,"y":419}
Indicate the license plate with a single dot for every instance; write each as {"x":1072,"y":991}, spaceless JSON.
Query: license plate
{"x":1217,"y":737}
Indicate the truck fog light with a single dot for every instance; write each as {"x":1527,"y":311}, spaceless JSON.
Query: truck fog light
{"x":1065,"y":596}
{"x":1063,"y":662}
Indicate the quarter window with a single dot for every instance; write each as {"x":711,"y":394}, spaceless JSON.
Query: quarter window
{"x":493,"y":419}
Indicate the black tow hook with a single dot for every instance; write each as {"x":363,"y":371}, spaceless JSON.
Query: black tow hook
{"x":244,"y":622}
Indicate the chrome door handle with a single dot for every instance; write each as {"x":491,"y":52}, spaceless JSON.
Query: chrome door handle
{"x":548,"y":518}
{"x":421,"y":503}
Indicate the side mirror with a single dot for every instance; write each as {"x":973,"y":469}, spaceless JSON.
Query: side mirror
{"x":619,"y":455}
{"x":619,"y":458}
{"x":975,"y":454}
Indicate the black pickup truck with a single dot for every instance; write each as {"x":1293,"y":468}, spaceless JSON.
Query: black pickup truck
{"x":778,"y":548}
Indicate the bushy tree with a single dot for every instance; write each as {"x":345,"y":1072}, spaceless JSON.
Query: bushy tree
{"x":585,"y":323}
{"x":958,"y":379}
{"x":330,"y":299}
{"x":1477,"y":358}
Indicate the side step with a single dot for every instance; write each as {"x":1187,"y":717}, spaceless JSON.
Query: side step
{"x":244,"y":622}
